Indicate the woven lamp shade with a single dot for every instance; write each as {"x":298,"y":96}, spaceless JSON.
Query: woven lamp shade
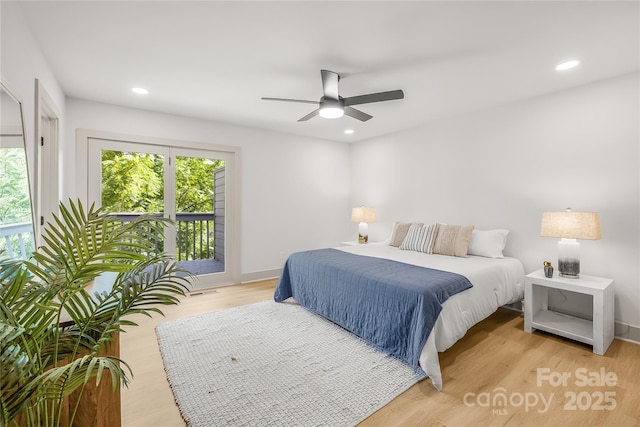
{"x":571,"y":225}
{"x":363,"y":214}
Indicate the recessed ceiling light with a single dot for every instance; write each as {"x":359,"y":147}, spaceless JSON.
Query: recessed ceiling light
{"x":567,"y":65}
{"x":348,"y":131}
{"x":140,"y":90}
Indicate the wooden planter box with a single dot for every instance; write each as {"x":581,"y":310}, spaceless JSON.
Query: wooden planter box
{"x":99,"y":404}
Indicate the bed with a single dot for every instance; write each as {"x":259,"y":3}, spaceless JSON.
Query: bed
{"x":494,"y":282}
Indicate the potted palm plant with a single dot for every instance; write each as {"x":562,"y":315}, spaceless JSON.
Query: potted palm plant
{"x":54,"y":331}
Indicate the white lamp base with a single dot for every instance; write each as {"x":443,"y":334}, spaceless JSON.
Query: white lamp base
{"x":569,"y":258}
{"x":363,"y":232}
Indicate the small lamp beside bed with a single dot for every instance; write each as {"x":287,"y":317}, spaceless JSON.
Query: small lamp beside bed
{"x":569,"y":226}
{"x":363,"y":216}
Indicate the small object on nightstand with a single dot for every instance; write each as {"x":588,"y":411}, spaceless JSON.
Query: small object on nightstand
{"x":548,"y":269}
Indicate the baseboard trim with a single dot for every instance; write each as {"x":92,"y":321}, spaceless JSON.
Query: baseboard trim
{"x":627,"y":332}
{"x":257,"y":276}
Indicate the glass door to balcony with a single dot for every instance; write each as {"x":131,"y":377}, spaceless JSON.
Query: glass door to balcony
{"x":199,"y":211}
{"x":185,"y":185}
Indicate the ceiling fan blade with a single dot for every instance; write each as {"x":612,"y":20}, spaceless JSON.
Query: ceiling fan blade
{"x":330,"y":84}
{"x":290,"y":100}
{"x":356,"y":114}
{"x":374,"y":97}
{"x":309,"y":116}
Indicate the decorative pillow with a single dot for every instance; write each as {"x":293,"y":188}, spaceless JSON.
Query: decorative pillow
{"x":430,"y":237}
{"x":488,"y":243}
{"x":400,"y":230}
{"x":412,"y":239}
{"x":453,"y":240}
{"x":420,"y":238}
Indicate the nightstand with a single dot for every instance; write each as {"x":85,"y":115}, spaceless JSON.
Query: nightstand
{"x":350,"y":243}
{"x":598,"y":333}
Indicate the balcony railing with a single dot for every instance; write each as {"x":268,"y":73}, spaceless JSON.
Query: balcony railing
{"x":18,"y":238}
{"x":194,"y":231}
{"x":195,"y":240}
{"x":195,"y":236}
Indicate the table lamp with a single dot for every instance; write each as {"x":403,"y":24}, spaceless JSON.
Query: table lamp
{"x":569,"y":226}
{"x":363,"y":216}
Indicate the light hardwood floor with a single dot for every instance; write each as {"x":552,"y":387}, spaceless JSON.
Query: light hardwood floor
{"x":496,"y":358}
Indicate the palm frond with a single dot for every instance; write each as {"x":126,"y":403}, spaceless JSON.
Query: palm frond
{"x":43,"y":360}
{"x":16,"y":367}
{"x":61,"y":381}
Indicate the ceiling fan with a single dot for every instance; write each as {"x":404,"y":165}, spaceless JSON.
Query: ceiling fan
{"x":332,"y":105}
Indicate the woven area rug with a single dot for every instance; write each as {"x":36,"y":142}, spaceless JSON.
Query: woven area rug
{"x":275,"y":364}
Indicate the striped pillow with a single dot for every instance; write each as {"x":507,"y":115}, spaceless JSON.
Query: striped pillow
{"x":420,"y":238}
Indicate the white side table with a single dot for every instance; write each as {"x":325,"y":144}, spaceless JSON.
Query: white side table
{"x":350,"y":243}
{"x":598,"y":333}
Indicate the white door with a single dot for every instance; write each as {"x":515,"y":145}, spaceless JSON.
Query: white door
{"x":185,"y":185}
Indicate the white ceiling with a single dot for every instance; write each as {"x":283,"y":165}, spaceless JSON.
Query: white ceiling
{"x":214,"y":60}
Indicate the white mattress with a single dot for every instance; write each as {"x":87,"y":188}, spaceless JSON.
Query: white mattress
{"x":496,"y":282}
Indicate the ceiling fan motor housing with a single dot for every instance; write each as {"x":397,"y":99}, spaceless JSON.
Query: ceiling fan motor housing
{"x":331,"y":103}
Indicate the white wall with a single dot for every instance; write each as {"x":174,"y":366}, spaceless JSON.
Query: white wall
{"x":497,"y":168}
{"x":294,"y":190}
{"x":21,"y":63}
{"x":501,"y":168}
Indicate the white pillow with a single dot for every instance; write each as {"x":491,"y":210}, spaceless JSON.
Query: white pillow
{"x":489,"y":243}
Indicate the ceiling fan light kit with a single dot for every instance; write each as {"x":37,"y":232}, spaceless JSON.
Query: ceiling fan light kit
{"x":333,"y":106}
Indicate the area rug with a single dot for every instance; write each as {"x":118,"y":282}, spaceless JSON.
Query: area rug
{"x":275,"y":364}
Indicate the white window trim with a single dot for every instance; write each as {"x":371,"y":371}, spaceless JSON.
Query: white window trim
{"x":232,"y":186}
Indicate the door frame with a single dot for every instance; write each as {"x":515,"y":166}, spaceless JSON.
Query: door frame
{"x":47,"y":182}
{"x":232,"y":191}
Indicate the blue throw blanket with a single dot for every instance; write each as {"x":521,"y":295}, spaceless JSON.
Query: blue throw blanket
{"x":391,"y":305}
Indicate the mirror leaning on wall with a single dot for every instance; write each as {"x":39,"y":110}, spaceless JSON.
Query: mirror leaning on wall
{"x":17,"y":238}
